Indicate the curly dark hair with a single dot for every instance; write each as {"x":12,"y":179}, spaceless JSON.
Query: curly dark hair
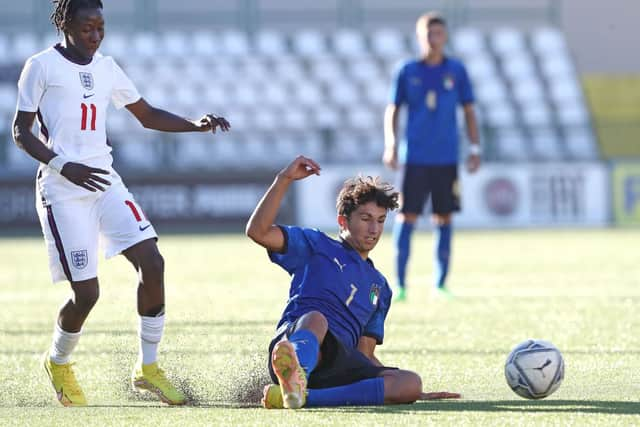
{"x":64,"y":10}
{"x":360,"y":190}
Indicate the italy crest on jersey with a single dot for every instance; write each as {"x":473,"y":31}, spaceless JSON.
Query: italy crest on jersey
{"x":86,"y":79}
{"x":448,"y":82}
{"x":374,"y":294}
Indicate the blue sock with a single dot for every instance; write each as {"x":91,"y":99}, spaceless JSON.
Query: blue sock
{"x":307,"y":347}
{"x":442,"y":253}
{"x":402,"y":238}
{"x":361,"y":393}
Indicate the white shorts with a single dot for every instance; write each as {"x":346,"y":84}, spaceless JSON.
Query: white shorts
{"x":72,"y":229}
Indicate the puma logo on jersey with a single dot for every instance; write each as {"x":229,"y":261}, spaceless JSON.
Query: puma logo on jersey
{"x":340,"y":266}
{"x":85,"y":96}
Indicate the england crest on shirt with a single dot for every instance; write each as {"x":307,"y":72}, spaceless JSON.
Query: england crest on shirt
{"x":86,"y":79}
{"x":79,"y":259}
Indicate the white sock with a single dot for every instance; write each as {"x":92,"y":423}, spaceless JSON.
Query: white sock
{"x":150,"y":335}
{"x":63,"y":344}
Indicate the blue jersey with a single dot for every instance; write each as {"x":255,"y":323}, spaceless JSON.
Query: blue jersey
{"x":432,"y":94}
{"x":330,"y":277}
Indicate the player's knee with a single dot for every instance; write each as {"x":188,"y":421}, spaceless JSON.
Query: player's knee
{"x":402,"y":387}
{"x":152,"y":262}
{"x":317,"y":319}
{"x":408,"y":218}
{"x":86,"y":298}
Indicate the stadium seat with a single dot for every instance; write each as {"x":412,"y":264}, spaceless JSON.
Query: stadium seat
{"x":556,"y":67}
{"x":501,"y":114}
{"x":295,"y":119}
{"x":326,"y":69}
{"x":376,"y":92}
{"x":518,"y":66}
{"x":545,"y":144}
{"x":22,"y":46}
{"x":535,"y":114}
{"x":526,"y":91}
{"x":234,"y":44}
{"x":344,"y":93}
{"x":348,"y":44}
{"x":363,"y":69}
{"x":308,"y":93}
{"x":563,"y":90}
{"x":8,"y":97}
{"x":510,"y":144}
{"x":363,"y":118}
{"x":389,"y":43}
{"x":117,"y":45}
{"x":547,"y":42}
{"x":467,"y":42}
{"x":276,"y":94}
{"x":145,"y":45}
{"x":572,"y":113}
{"x":507,"y":41}
{"x":580,"y":143}
{"x":309,"y":43}
{"x":266,"y":119}
{"x":138,"y":151}
{"x":176,"y":44}
{"x":270,"y":43}
{"x":205,"y":44}
{"x":5,"y":49}
{"x":491,"y":91}
{"x":323,"y":117}
{"x":289,"y":69}
{"x":480,"y":66}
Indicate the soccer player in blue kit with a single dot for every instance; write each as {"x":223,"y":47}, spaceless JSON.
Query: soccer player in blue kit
{"x":431,"y":87}
{"x":323,"y":350}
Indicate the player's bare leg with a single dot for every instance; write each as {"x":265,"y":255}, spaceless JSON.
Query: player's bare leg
{"x":56,"y":361}
{"x":146,"y":375}
{"x":402,"y":231}
{"x":442,"y":253}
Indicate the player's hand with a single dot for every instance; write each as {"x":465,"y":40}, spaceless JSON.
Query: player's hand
{"x":85,"y":176}
{"x":473,"y":163}
{"x":210,"y":122}
{"x":439,"y":395}
{"x":300,"y":168}
{"x":390,"y":158}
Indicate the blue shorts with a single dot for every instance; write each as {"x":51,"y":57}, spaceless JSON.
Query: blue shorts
{"x":339,"y":365}
{"x":440,"y":182}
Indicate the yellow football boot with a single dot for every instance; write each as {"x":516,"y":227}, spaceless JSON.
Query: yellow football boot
{"x":64,"y":382}
{"x":152,"y":379}
{"x":291,"y":376}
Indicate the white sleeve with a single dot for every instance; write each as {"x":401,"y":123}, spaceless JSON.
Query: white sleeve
{"x":31,"y":86}
{"x":124,"y":91}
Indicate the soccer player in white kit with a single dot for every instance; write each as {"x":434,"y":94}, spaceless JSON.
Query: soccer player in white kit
{"x":80,"y":196}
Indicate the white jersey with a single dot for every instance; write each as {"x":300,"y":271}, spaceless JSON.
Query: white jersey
{"x":71,"y":101}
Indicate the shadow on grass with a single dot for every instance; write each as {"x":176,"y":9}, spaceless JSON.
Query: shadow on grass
{"x":558,"y":406}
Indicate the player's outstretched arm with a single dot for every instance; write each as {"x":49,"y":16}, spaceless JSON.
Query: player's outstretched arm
{"x":81,"y":175}
{"x":261,"y":228}
{"x":158,"y":119}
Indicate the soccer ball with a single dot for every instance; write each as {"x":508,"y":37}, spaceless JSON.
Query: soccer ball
{"x":534,"y":369}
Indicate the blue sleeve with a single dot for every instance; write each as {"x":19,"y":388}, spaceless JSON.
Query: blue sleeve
{"x":299,"y":244}
{"x":398,"y":91}
{"x":375,"y":326}
{"x":464,"y":88}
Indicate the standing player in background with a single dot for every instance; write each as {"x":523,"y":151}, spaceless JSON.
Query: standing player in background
{"x":432,"y":87}
{"x":68,"y":87}
{"x":338,"y":302}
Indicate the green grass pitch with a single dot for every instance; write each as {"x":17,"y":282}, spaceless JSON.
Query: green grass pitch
{"x":579,"y":289}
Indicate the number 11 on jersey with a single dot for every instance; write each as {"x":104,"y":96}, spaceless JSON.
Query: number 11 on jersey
{"x":85,"y":111}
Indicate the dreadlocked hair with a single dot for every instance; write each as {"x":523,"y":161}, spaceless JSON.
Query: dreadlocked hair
{"x":64,"y":10}
{"x":360,"y":190}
